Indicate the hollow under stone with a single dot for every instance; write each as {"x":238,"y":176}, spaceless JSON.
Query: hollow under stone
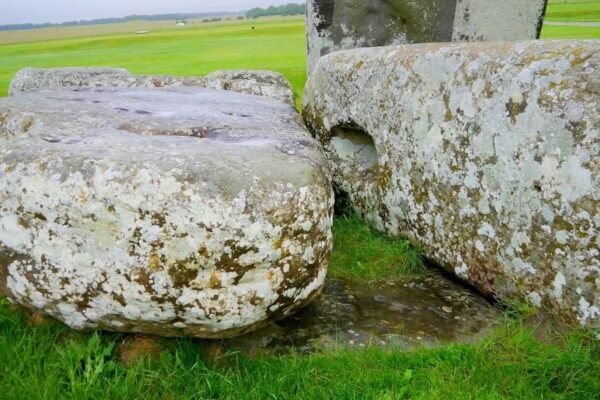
{"x":355,"y":147}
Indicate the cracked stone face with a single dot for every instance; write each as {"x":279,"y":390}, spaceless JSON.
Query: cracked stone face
{"x":174,"y":212}
{"x":485,"y":154}
{"x":334,"y":25}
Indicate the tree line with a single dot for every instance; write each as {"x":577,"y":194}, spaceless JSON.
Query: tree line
{"x":287,"y":9}
{"x":100,"y":21}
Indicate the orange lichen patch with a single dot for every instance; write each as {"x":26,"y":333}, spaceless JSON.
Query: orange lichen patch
{"x":138,"y":347}
{"x":37,"y":319}
{"x":215,"y":280}
{"x":154,"y":263}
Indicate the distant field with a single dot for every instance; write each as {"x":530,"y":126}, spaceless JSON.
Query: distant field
{"x":276,"y":43}
{"x":573,"y":10}
{"x":67,"y":32}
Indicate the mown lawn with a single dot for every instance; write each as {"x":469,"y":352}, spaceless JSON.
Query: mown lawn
{"x":41,"y":359}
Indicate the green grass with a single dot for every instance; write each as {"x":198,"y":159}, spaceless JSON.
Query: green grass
{"x":52,"y":362}
{"x":362,"y":253}
{"x":574,"y":10}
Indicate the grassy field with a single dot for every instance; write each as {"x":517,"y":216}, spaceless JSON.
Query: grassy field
{"x":41,"y":359}
{"x":70,"y":32}
{"x":571,"y":32}
{"x":277,"y":44}
{"x":573,"y":10}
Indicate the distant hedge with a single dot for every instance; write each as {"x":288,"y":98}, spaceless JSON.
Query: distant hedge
{"x":287,"y":9}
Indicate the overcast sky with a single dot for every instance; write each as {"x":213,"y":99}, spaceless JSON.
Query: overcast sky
{"x":37,"y":11}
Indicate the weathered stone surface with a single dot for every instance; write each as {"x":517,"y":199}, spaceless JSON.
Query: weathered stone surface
{"x":28,"y":79}
{"x":346,"y":24}
{"x":486,"y":154}
{"x":163,"y":211}
{"x":256,"y":82}
{"x":260,"y":83}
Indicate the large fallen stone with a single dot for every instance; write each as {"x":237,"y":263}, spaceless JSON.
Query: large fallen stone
{"x":346,"y":24}
{"x":256,"y":82}
{"x":486,"y":154}
{"x":165,"y":211}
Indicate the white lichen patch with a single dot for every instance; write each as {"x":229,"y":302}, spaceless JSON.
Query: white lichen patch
{"x":487,"y":157}
{"x":200,"y":223}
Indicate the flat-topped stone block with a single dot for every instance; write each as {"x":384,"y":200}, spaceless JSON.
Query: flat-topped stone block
{"x":334,"y":25}
{"x":174,"y":212}
{"x":256,"y":82}
{"x":485,"y":154}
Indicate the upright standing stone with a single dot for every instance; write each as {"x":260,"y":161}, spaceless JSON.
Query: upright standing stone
{"x":506,"y":20}
{"x":345,"y":24}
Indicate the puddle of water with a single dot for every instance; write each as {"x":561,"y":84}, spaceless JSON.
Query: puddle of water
{"x":422,"y":311}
